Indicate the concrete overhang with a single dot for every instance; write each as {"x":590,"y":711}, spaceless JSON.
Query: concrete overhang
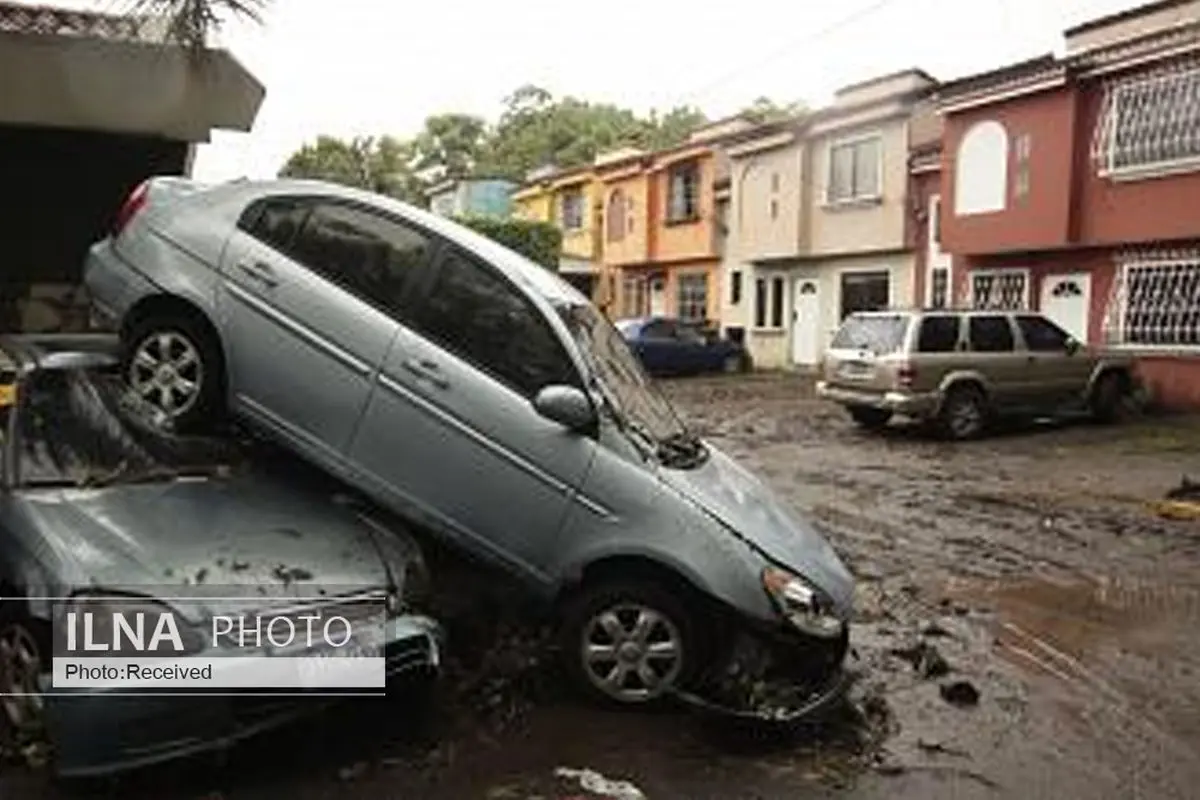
{"x":133,"y":87}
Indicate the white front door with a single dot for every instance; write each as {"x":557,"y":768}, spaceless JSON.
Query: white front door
{"x":658,"y":297}
{"x":1065,"y":300}
{"x":806,"y":323}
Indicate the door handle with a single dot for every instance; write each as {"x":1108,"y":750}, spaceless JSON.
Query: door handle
{"x":428,"y":370}
{"x":259,"y":271}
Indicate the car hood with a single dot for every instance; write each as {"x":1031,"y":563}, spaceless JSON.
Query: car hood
{"x":741,"y":501}
{"x":246,"y":534}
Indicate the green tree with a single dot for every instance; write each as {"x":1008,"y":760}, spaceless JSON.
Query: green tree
{"x":453,"y":142}
{"x":538,"y":241}
{"x":764,"y":109}
{"x":382,"y":165}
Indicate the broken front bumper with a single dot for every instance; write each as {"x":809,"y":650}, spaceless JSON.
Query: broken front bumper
{"x":101,"y":731}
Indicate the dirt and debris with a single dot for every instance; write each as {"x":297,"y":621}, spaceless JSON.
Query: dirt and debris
{"x":290,"y":575}
{"x":1029,"y":562}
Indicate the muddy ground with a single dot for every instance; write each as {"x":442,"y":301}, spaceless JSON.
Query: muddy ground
{"x":1026,"y":565}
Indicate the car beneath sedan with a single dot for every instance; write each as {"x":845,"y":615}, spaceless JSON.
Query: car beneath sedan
{"x":479,"y":396}
{"x":101,"y":511}
{"x":668,"y":346}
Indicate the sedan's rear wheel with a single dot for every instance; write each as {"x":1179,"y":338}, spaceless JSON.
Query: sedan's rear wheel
{"x":174,"y":364}
{"x":21,"y":664}
{"x":629,"y":643}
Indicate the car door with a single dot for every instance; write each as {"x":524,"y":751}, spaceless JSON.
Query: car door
{"x":308,"y":284}
{"x":1058,"y":372}
{"x":452,"y":432}
{"x":695,"y":353}
{"x":658,"y":347}
{"x":992,"y":345}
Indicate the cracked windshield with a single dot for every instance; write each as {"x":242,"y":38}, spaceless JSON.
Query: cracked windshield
{"x":678,"y":402}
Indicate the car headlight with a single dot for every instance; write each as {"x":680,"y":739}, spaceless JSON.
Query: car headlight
{"x":801,"y":603}
{"x":129,"y":625}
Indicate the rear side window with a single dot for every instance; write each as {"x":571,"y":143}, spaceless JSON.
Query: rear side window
{"x":1042,"y":335}
{"x":475,"y":312}
{"x":372,"y":256}
{"x":938,"y":334}
{"x":991,"y":334}
{"x":275,"y":222}
{"x":658,"y":330}
{"x":879,"y":333}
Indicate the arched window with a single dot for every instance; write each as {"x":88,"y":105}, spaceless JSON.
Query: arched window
{"x":981,"y":169}
{"x":615,"y":216}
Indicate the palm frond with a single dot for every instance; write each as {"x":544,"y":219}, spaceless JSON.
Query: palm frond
{"x":189,"y":22}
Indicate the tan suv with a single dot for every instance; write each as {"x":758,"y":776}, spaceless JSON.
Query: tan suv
{"x":961,"y":369}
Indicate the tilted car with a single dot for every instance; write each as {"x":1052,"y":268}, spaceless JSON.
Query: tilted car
{"x":962,"y":369}
{"x":670,"y":347}
{"x":98,"y":508}
{"x":478,"y":395}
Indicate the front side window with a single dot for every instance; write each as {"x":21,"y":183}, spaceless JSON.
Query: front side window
{"x":683,"y":196}
{"x":1041,"y":335}
{"x":854,"y":171}
{"x":693,"y":297}
{"x":990,"y":334}
{"x":372,"y":256}
{"x":475,"y":313}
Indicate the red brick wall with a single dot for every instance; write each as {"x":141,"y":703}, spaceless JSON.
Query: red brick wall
{"x":1173,"y":381}
{"x":1039,"y":219}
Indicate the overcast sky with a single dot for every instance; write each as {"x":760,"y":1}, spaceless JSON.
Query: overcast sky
{"x":346,"y":67}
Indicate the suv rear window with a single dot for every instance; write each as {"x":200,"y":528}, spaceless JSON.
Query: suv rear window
{"x":881,"y":334}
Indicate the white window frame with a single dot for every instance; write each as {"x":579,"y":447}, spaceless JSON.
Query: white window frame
{"x":1027,"y":302}
{"x":934,"y":256}
{"x":886,"y":269}
{"x":680,"y":279}
{"x":1120,"y":292}
{"x":930,"y":270}
{"x":851,"y":141}
{"x":776,"y":282}
{"x":1152,"y":169}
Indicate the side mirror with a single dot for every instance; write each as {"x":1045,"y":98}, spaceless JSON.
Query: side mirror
{"x":1072,"y":346}
{"x":567,"y":406}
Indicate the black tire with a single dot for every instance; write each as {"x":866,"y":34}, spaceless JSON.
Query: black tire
{"x":1108,"y":395}
{"x":200,"y":411}
{"x":21,"y":717}
{"x":873,"y":419}
{"x":581,"y":621}
{"x":964,"y":413}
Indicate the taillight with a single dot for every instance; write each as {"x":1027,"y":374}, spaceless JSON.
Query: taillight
{"x":906,"y":375}
{"x":132,"y":205}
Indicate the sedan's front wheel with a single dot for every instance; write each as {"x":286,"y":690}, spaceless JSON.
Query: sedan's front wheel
{"x":21,"y":664}
{"x":174,"y":364}
{"x":629,"y":643}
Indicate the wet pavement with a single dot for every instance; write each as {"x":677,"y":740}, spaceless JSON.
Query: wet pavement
{"x":1025,"y":628}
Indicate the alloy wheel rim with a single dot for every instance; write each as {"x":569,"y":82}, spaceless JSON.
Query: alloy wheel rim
{"x":167,"y":372}
{"x":632,"y":652}
{"x":20,"y":666}
{"x":964,"y":417}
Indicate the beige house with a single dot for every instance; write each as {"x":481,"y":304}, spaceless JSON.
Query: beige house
{"x":819,"y":220}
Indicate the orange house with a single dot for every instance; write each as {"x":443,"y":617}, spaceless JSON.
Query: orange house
{"x":663,"y":227}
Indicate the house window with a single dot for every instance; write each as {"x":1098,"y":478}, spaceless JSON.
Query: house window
{"x":1156,"y":301}
{"x":735,"y":288}
{"x":1006,"y":289}
{"x":1022,"y":147}
{"x":615,"y":226}
{"x":635,"y":297}
{"x":865,"y":291}
{"x":572,"y":209}
{"x":1150,"y":123}
{"x":981,"y":169}
{"x":939,"y":288}
{"x":693,"y":298}
{"x":683,"y":197}
{"x":760,"y":303}
{"x":854,"y":170}
{"x":777,"y":302}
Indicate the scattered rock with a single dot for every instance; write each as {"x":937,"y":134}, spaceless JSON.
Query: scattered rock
{"x":592,"y":781}
{"x":960,"y":693}
{"x":940,"y":747}
{"x":925,"y":659}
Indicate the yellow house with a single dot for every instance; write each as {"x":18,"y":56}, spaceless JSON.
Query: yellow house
{"x":570,"y":199}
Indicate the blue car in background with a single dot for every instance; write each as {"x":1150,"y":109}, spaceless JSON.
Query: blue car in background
{"x":668,"y":346}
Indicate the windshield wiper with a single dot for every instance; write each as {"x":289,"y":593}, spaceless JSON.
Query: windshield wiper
{"x":681,"y":449}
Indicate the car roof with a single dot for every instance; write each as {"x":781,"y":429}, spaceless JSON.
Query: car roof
{"x":516,"y":266}
{"x":33,"y":351}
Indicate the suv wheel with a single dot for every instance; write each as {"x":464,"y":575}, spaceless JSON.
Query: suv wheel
{"x":173,"y":362}
{"x":963,"y":414}
{"x":628,"y":643}
{"x":873,"y":419}
{"x":1107,"y":397}
{"x":21,"y":663}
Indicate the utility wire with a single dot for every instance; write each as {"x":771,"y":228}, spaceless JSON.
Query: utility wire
{"x":809,"y":38}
